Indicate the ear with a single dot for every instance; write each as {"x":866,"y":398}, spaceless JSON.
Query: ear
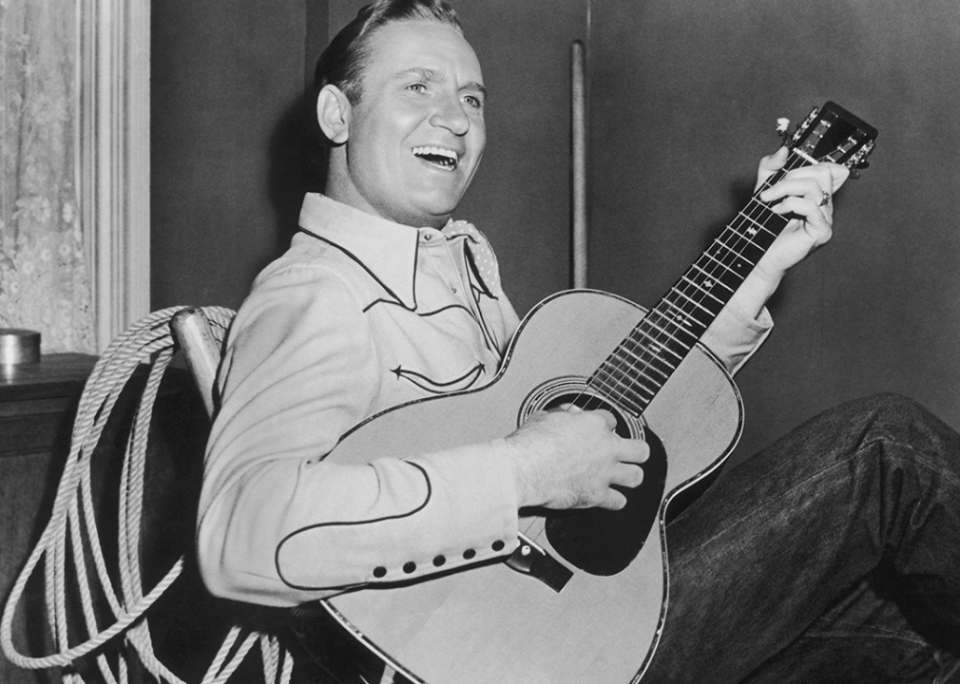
{"x":333,"y":114}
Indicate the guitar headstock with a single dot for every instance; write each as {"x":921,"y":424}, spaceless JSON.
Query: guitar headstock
{"x":831,"y":133}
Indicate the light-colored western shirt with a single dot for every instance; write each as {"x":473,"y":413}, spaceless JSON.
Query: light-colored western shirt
{"x":360,"y":315}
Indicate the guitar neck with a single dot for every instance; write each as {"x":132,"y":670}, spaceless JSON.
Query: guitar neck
{"x":636,"y":370}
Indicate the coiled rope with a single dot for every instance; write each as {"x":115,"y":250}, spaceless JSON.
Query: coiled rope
{"x":71,"y":540}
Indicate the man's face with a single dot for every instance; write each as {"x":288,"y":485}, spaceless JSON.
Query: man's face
{"x":417,"y":134}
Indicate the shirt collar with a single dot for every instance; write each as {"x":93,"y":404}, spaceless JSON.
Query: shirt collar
{"x":386,"y":249}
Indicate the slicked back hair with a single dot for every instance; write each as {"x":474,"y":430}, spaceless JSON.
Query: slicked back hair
{"x":343,"y":62}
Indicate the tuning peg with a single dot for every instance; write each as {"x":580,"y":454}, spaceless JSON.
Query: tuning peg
{"x":783,"y":130}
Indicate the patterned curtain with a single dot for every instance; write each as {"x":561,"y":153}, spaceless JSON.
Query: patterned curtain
{"x":44,"y":284}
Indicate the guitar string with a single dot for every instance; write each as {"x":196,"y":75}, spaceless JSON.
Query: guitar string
{"x":697,"y":292}
{"x":736,"y":242}
{"x":756,"y":217}
{"x":659,"y":340}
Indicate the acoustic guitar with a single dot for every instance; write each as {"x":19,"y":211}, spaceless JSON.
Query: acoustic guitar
{"x":583,"y":598}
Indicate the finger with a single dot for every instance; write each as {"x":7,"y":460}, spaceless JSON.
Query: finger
{"x":821,"y":179}
{"x":627,"y":475}
{"x":613,"y":500}
{"x":793,"y":187}
{"x":607,"y":417}
{"x":634,"y":451}
{"x":828,"y":176}
{"x":817,"y":221}
{"x":769,"y":165}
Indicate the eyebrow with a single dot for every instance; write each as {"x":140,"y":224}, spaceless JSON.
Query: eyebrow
{"x":434,"y":75}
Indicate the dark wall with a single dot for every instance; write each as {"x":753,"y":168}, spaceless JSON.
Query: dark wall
{"x":684,"y":99}
{"x":685,"y":95}
{"x":228,"y":161}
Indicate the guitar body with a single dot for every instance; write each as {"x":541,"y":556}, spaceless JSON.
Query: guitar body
{"x":492,"y":624}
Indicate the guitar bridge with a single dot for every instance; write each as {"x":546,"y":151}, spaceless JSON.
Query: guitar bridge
{"x":530,"y":559}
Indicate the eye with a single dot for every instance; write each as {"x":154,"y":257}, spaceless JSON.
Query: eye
{"x":418,"y":87}
{"x":473,"y":101}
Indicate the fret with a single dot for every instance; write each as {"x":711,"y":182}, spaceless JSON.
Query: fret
{"x":655,"y":346}
{"x":643,"y":359}
{"x":635,"y":405}
{"x":706,"y":286}
{"x":732,"y":277}
{"x":626,"y":397}
{"x":690,"y":299}
{"x":767,"y":222}
{"x":637,"y":364}
{"x":653,"y":350}
{"x":687,"y":319}
{"x":670,"y":327}
{"x":745,"y":254}
{"x":612,"y":388}
{"x":738,"y":252}
{"x":719,"y":263}
{"x":759,"y":224}
{"x":706,"y":274}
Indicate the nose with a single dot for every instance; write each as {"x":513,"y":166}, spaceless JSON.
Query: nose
{"x":450,"y":114}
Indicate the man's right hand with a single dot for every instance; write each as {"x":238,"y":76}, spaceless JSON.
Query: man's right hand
{"x":571,"y":459}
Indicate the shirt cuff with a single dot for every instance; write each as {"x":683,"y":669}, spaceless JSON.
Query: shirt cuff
{"x":735,"y":336}
{"x":433,"y":513}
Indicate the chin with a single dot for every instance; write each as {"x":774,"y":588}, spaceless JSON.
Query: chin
{"x":436,"y":215}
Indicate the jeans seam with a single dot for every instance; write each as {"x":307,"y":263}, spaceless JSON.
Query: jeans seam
{"x":740,"y":520}
{"x":879,"y":636}
{"x":885,"y":439}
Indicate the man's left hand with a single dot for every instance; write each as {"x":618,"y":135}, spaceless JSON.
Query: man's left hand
{"x":806,"y":194}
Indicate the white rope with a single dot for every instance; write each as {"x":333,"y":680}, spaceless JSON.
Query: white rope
{"x":70,"y":544}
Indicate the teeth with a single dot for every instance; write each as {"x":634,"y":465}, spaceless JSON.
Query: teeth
{"x":449,"y":155}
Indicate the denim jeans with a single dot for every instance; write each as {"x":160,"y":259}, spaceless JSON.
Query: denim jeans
{"x":831,"y":556}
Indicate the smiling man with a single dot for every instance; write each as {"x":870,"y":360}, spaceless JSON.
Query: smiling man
{"x":385,"y":298}
{"x":409,"y":147}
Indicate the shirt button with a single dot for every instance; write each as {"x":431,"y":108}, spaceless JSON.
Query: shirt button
{"x":469,"y":553}
{"x":380,"y":572}
{"x":498,"y":545}
{"x":439,"y":561}
{"x":409,"y":567}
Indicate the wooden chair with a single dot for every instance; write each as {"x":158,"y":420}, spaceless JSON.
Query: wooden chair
{"x":201,"y":350}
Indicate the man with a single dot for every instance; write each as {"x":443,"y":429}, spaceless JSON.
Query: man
{"x":383,"y":298}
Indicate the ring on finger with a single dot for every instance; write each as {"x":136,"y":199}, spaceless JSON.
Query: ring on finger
{"x":824,"y":198}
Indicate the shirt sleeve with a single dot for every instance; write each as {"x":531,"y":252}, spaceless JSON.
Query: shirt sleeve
{"x":735,"y":336}
{"x":280,"y":525}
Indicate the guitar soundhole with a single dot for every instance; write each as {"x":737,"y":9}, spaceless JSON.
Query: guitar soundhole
{"x":598,"y":541}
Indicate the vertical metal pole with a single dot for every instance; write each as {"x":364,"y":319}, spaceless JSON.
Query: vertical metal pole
{"x":578,"y":150}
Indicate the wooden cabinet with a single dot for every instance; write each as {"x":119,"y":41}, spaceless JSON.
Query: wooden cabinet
{"x":37,"y":405}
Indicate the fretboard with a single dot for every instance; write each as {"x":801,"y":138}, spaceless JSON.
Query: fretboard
{"x":636,"y":370}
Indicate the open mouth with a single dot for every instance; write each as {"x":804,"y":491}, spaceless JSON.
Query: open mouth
{"x":438,"y":156}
